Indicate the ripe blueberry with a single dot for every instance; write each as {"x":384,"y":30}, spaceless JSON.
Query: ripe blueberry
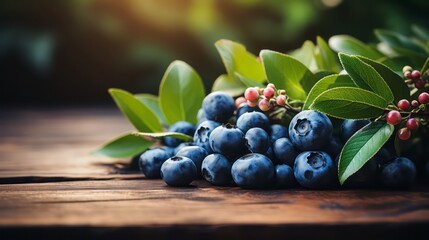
{"x":180,"y":127}
{"x":399,"y":173}
{"x":253,"y":119}
{"x":202,"y":134}
{"x":196,"y":154}
{"x":151,"y":160}
{"x":218,"y":106}
{"x":178,"y":171}
{"x":253,"y":170}
{"x":284,"y":176}
{"x":278,"y":131}
{"x":350,"y":127}
{"x":284,"y":151}
{"x":315,"y":170}
{"x":257,"y":140}
{"x":228,"y":140}
{"x":246,"y":108}
{"x":216,"y":169}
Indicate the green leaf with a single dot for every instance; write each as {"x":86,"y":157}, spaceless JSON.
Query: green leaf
{"x":326,"y":83}
{"x":229,"y":85}
{"x":236,"y":58}
{"x":181,"y":93}
{"x":142,"y":118}
{"x":350,"y":45}
{"x":425,"y":66}
{"x":420,"y":32}
{"x":305,"y":54}
{"x":361,"y":147}
{"x":288,"y":73}
{"x":152,"y":102}
{"x":248,"y":82}
{"x":325,"y":57}
{"x":365,"y":76}
{"x":349,"y":103}
{"x":396,"y":84}
{"x":177,"y":135}
{"x":127,"y":145}
{"x":395,"y":63}
{"x":396,"y":40}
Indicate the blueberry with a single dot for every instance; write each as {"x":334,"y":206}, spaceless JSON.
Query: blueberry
{"x":252,"y":120}
{"x":257,"y":140}
{"x":227,"y":140}
{"x":349,"y":127}
{"x":245,"y":109}
{"x":365,"y":177}
{"x":151,"y":160}
{"x":196,"y":154}
{"x":399,"y":173}
{"x":178,"y":171}
{"x":182,"y":145}
{"x":270,"y":154}
{"x":315,"y":170}
{"x":180,"y":127}
{"x":202,"y":134}
{"x":284,"y":151}
{"x":310,"y":130}
{"x":278,"y":131}
{"x":284,"y":176}
{"x":253,"y":170}
{"x":334,"y":147}
{"x":218,"y":106}
{"x":216,"y":169}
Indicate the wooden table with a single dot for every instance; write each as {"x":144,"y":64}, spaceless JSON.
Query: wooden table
{"x":52,"y":188}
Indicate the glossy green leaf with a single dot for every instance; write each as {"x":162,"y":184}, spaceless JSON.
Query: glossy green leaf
{"x":125,"y":146}
{"x":365,"y":76}
{"x":152,"y":102}
{"x":326,"y":83}
{"x":288,"y":73}
{"x":361,"y":147}
{"x":350,"y":45}
{"x":326,"y":59}
{"x":181,"y":93}
{"x":305,"y":54}
{"x":395,"y":63}
{"x":237,"y":59}
{"x":248,"y":82}
{"x":396,"y":84}
{"x":349,"y":103}
{"x":421,"y":32}
{"x":229,"y":85}
{"x":142,"y":118}
{"x":397,"y":40}
{"x":177,"y":135}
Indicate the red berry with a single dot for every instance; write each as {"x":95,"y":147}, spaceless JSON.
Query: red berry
{"x":412,"y":124}
{"x":271,"y":85}
{"x":407,"y":75}
{"x":404,"y":134}
{"x":419,"y":83}
{"x":269,"y":92}
{"x":252,"y":103}
{"x":251,"y":94}
{"x":424,"y":98}
{"x":264,"y":105}
{"x":407,"y":69}
{"x":404,"y":104}
{"x":414,"y":103}
{"x":393,"y":117}
{"x":415,"y":74}
{"x":239,"y":101}
{"x":281,"y":100}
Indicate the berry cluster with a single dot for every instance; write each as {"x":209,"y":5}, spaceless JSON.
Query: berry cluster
{"x":414,"y":77}
{"x":236,"y":143}
{"x":413,"y":112}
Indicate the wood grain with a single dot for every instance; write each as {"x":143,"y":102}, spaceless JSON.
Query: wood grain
{"x":52,"y":188}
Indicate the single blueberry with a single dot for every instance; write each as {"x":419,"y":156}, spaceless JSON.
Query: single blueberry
{"x":349,"y":127}
{"x":151,"y":160}
{"x":180,"y":127}
{"x":253,"y":170}
{"x":257,"y":140}
{"x":278,"y":131}
{"x":284,"y":151}
{"x":310,"y":130}
{"x":196,"y":154}
{"x":253,"y":119}
{"x":228,"y":140}
{"x":182,"y":145}
{"x":284,"y":176}
{"x":245,"y":109}
{"x":202,"y":134}
{"x":178,"y":171}
{"x":398,"y":173}
{"x":216,"y":169}
{"x":315,"y":170}
{"x":334,"y":147}
{"x":218,"y":106}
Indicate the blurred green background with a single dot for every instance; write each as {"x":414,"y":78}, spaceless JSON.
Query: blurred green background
{"x":71,"y":51}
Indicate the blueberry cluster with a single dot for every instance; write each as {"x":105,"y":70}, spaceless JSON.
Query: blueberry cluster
{"x":235,"y":143}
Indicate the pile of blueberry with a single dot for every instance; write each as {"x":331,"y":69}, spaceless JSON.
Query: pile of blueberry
{"x":236,"y":144}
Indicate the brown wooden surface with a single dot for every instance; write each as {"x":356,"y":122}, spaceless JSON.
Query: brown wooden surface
{"x":52,"y":188}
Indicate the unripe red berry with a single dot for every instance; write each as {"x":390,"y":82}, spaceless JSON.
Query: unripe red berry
{"x":281,"y":100}
{"x":271,"y":85}
{"x":424,"y":98}
{"x":282,"y":92}
{"x":269,"y":92}
{"x":251,"y":94}
{"x":239,"y":101}
{"x":415,"y":74}
{"x":412,"y":124}
{"x":419,"y":83}
{"x":407,"y":69}
{"x":393,"y":117}
{"x":404,"y":104}
{"x":264,"y":105}
{"x":407,"y":75}
{"x":404,"y":134}
{"x":414,"y":103}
